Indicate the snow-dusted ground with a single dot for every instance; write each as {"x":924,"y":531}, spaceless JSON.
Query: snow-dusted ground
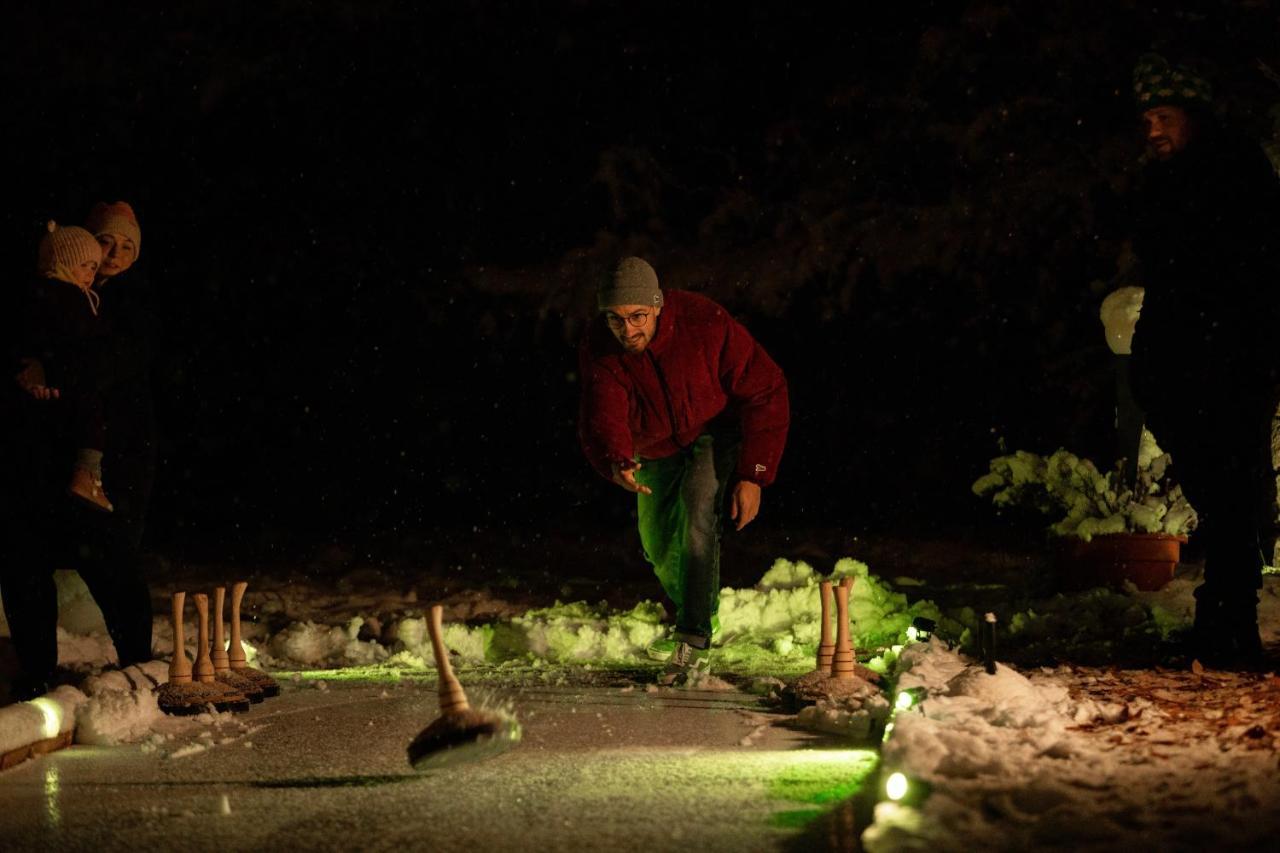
{"x":1067,"y":755}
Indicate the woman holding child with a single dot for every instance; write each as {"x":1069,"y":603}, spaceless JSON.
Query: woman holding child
{"x":88,"y":432}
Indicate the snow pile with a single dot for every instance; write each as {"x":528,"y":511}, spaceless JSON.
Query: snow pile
{"x":311,"y":645}
{"x":113,"y":717}
{"x":855,"y":716}
{"x":122,"y":706}
{"x":771,"y":625}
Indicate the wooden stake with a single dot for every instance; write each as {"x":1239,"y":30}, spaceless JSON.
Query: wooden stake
{"x":179,"y":667}
{"x":826,"y":647}
{"x":452,"y":698}
{"x":204,"y":671}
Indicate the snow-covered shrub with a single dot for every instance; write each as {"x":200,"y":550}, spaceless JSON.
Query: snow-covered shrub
{"x":1089,"y":502}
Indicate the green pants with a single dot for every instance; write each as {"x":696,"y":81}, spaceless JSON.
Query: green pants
{"x":681,"y":522}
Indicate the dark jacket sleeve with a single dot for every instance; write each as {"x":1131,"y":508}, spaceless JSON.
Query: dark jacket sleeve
{"x":602,"y":415}
{"x":758,"y":391}
{"x":59,"y":328}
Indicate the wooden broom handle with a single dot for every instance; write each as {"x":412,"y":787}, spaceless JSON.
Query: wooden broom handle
{"x":452,"y":698}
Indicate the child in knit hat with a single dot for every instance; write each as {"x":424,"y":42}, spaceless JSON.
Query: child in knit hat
{"x":61,"y":329}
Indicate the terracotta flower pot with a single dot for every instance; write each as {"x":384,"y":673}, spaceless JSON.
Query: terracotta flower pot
{"x":1145,"y":559}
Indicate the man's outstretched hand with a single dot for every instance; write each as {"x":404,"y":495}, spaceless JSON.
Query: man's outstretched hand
{"x":746,"y":503}
{"x":624,"y":474}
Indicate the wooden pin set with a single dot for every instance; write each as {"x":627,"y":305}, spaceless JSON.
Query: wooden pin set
{"x":221,"y":676}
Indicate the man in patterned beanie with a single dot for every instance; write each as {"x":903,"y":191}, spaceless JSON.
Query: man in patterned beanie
{"x":1170,"y":99}
{"x":1204,"y":362}
{"x":678,"y":403}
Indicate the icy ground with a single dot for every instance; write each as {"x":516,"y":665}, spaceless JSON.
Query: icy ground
{"x":1065,"y":754}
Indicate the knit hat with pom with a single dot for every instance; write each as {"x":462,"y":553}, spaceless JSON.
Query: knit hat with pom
{"x":633,"y":283}
{"x":63,"y":249}
{"x":116,"y":218}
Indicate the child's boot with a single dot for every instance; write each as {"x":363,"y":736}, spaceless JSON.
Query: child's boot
{"x":87,"y":489}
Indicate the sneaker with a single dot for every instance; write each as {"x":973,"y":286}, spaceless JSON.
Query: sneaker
{"x":661,"y":648}
{"x":688,"y":663}
{"x":87,"y":489}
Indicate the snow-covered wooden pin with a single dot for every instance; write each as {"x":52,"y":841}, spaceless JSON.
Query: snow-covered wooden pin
{"x":460,"y":733}
{"x":235,"y":654}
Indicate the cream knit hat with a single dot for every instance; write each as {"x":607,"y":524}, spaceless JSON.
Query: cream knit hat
{"x":64,"y":248}
{"x":116,"y":218}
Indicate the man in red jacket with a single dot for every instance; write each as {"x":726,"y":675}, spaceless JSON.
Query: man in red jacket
{"x":679,"y":401}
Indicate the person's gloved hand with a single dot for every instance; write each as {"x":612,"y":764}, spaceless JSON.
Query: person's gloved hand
{"x":1120,"y":311}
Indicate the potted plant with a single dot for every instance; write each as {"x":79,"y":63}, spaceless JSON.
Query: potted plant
{"x":1110,"y":533}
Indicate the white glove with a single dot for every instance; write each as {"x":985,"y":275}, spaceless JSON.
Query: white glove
{"x":1119,"y":314}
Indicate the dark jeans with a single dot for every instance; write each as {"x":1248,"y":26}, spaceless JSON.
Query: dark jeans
{"x":681,"y":524}
{"x":49,"y":532}
{"x":1216,"y":426}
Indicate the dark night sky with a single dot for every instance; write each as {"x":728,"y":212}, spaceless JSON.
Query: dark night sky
{"x":318,"y":183}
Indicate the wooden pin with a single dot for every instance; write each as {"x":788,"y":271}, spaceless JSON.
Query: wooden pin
{"x":222,"y":661}
{"x":235,"y":654}
{"x":842,"y":659}
{"x":204,"y":664}
{"x":826,"y":647}
{"x":452,"y":698}
{"x":179,"y":667}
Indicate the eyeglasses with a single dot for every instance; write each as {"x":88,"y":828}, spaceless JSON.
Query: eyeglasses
{"x":636,"y":319}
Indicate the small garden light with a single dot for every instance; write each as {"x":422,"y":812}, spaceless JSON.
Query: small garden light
{"x":921,"y":629}
{"x":906,"y":792}
{"x":909,"y":698}
{"x":896,"y":787}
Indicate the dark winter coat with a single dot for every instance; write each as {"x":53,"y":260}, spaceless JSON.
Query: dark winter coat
{"x":700,"y":364}
{"x":60,"y":326}
{"x":1207,"y":240}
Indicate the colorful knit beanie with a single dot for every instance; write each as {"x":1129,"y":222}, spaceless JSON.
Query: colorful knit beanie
{"x":1156,"y":83}
{"x":116,"y":218}
{"x":62,"y":249}
{"x":633,"y":283}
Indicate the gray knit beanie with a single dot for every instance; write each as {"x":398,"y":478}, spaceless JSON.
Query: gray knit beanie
{"x":633,"y":283}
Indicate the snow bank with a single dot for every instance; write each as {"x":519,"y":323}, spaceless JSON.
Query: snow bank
{"x":1019,"y":760}
{"x":48,"y":716}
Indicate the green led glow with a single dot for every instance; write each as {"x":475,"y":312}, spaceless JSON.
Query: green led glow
{"x":896,"y":786}
{"x":913,"y":634}
{"x":819,"y":778}
{"x":904,"y":701}
{"x":372,"y":674}
{"x":888,"y":729}
{"x":52,"y":713}
{"x":52,"y":785}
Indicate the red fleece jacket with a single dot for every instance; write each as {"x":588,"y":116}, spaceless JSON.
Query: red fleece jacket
{"x":700,"y":363}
